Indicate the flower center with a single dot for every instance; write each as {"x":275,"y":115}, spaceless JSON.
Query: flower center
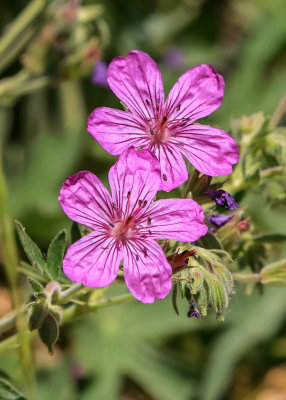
{"x":160,"y":132}
{"x":123,"y":230}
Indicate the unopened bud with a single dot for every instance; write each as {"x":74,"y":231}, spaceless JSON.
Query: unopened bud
{"x":274,"y":274}
{"x":36,"y":315}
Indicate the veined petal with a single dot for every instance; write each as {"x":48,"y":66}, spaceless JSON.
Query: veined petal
{"x":146,"y":270}
{"x":210,"y":150}
{"x":137,"y":81}
{"x":197,"y":93}
{"x":86,"y":200}
{"x":134,"y":180}
{"x":116,"y":130}
{"x":175,"y":219}
{"x":93,"y":260}
{"x":173,"y":168}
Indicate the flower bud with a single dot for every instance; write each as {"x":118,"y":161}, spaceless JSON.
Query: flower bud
{"x":36,"y":315}
{"x":274,"y":274}
{"x":49,"y":331}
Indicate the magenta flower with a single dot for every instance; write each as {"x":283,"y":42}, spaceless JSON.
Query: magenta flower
{"x":167,"y":129}
{"x":125,"y":226}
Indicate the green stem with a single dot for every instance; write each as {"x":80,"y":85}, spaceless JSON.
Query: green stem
{"x":193,"y":178}
{"x":278,"y":113}
{"x":69,"y":315}
{"x":246,"y":277}
{"x":17,"y":29}
{"x":9,"y":251}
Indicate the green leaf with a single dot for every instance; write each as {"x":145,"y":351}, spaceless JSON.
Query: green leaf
{"x":36,"y":286}
{"x":32,"y":251}
{"x":56,"y":253}
{"x":75,"y":232}
{"x":7,"y":390}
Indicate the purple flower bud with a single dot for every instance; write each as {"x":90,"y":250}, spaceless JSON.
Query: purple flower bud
{"x":193,"y":312}
{"x":223,"y":198}
{"x":219,"y":220}
{"x":174,"y":58}
{"x":99,"y":75}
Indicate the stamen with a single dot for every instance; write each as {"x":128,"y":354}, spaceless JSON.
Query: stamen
{"x":128,"y":194}
{"x":129,"y":219}
{"x":165,"y":177}
{"x":147,"y":102}
{"x":137,"y":257}
{"x":110,"y":224}
{"x":178,"y":108}
{"x":140,"y":203}
{"x":164,"y":119}
{"x":149,"y":221}
{"x":145,"y":251}
{"x":150,"y":233}
{"x":144,"y":203}
{"x":152,"y":131}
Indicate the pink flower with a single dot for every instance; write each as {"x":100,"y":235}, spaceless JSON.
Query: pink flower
{"x":167,"y":129}
{"x":125,"y":225}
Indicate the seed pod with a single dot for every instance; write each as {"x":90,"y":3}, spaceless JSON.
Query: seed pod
{"x":49,"y":332}
{"x":37,"y":315}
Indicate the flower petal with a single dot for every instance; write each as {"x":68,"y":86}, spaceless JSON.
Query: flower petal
{"x":210,"y":150}
{"x":197,"y":93}
{"x":146,"y":270}
{"x":116,"y":130}
{"x":86,"y":200}
{"x":93,"y":260}
{"x":134,"y":180}
{"x":173,"y":168}
{"x":175,"y":219}
{"x":137,"y":81}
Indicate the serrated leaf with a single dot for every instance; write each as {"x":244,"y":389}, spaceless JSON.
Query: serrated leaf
{"x":32,"y":251}
{"x":75,"y":232}
{"x":56,"y":253}
{"x":36,"y":286}
{"x":8,"y":390}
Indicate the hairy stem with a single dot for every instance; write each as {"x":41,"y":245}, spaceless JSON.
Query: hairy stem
{"x":246,"y":277}
{"x":69,"y":315}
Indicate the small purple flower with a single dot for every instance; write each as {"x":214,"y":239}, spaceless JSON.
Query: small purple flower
{"x":223,"y":198}
{"x":193,"y":312}
{"x":219,"y":220}
{"x":174,"y":58}
{"x":125,"y":226}
{"x":166,"y":128}
{"x":99,"y":75}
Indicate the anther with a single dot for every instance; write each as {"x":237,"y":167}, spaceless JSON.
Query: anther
{"x":165,"y":177}
{"x":137,"y":257}
{"x":149,"y":221}
{"x":147,"y":102}
{"x":152,"y":131}
{"x":144,"y":203}
{"x":145,"y":251}
{"x":164,"y":119}
{"x":178,"y":108}
{"x":110,"y":224}
{"x":140,"y":203}
{"x":129,"y":219}
{"x":128,"y":194}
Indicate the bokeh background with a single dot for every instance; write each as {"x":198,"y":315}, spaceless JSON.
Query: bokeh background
{"x":134,"y":351}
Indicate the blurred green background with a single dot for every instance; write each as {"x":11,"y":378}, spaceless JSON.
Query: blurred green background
{"x":137,"y":351}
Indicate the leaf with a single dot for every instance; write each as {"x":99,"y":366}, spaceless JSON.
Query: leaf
{"x":32,"y":251}
{"x":56,"y":253}
{"x":7,"y":390}
{"x":75,"y":232}
{"x":36,"y":286}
